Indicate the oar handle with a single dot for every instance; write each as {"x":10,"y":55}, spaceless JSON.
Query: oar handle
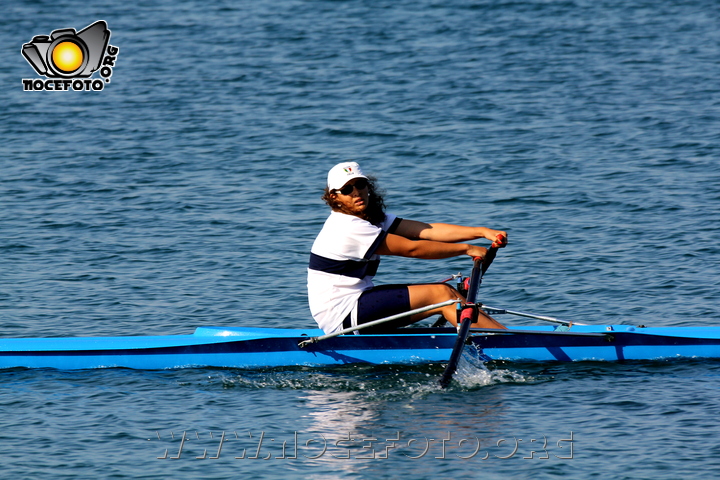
{"x":489,"y":257}
{"x":480,"y":266}
{"x":475,"y":279}
{"x":492,"y":251}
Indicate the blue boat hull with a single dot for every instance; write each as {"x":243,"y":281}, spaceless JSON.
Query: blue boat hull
{"x":607,"y":343}
{"x":265,"y":347}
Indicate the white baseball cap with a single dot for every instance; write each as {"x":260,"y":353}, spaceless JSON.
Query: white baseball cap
{"x":342,"y":173}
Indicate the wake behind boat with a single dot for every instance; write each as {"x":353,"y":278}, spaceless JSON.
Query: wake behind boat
{"x":243,"y":347}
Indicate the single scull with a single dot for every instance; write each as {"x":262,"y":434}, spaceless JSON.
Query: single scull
{"x":270,"y":347}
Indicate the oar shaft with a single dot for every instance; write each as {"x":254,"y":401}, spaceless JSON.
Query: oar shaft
{"x":377,"y":322}
{"x":468,"y":316}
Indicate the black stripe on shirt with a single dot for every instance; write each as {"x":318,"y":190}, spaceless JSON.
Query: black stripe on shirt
{"x":353,"y":268}
{"x":347,"y":268}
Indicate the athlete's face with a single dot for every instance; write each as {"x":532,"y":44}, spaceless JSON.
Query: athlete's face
{"x":353,"y":195}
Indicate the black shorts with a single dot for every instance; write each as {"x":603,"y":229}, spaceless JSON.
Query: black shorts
{"x":380,"y":302}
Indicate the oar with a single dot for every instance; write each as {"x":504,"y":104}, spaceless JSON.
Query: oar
{"x":469,"y":314}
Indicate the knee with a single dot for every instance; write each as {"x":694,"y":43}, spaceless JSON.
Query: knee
{"x":426,"y":294}
{"x":447,"y":292}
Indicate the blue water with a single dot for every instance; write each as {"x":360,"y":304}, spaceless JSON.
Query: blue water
{"x":186,"y":193}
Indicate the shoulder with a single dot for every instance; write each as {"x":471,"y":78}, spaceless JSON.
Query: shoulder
{"x":350,"y":226}
{"x":390,"y":223}
{"x":341,"y":228}
{"x":344,"y":221}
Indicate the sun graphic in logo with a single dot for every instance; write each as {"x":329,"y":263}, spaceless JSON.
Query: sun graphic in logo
{"x":67,"y":56}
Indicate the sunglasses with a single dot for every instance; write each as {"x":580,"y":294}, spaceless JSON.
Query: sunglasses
{"x":348,"y":189}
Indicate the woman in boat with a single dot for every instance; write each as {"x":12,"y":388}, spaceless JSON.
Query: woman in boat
{"x":346,"y":254}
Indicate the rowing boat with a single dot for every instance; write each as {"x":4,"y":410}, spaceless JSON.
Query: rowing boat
{"x":243,"y":347}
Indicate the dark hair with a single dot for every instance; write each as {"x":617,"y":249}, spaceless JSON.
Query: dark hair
{"x":375,"y":211}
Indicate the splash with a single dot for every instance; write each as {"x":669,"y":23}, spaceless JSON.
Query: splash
{"x":473,"y":373}
{"x":376,"y":381}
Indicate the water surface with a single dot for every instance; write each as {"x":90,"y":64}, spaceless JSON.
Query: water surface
{"x":186,"y":193}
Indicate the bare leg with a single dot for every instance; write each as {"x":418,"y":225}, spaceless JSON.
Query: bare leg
{"x":422,"y":295}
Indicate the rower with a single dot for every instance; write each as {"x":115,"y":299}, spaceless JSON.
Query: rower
{"x":346,"y":254}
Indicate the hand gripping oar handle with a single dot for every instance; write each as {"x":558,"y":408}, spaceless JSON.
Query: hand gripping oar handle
{"x":468,"y":315}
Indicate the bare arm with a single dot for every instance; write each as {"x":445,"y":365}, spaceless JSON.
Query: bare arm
{"x":445,"y":232}
{"x":427,"y":249}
